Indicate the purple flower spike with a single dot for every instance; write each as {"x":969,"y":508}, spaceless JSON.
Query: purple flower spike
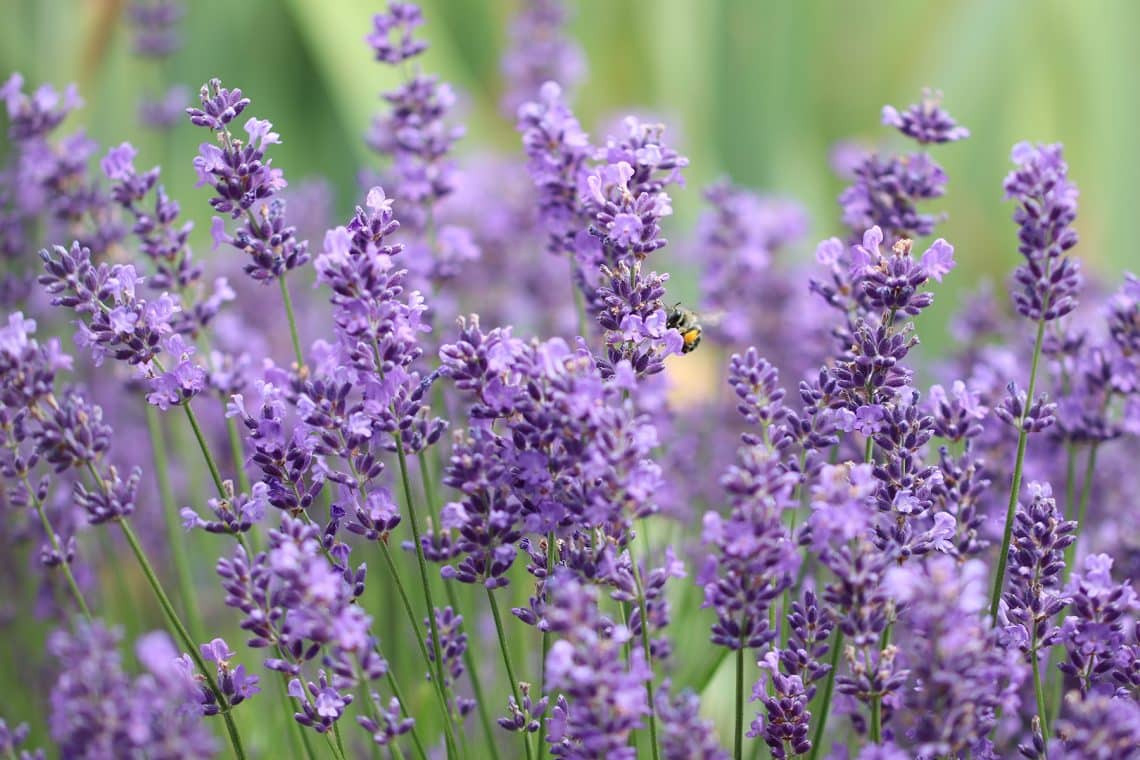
{"x":926,"y":123}
{"x":1045,"y":286}
{"x":391,"y":37}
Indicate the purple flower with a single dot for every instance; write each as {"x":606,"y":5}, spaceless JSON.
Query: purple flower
{"x":787,"y":680}
{"x":603,"y":698}
{"x":246,"y":185}
{"x":751,"y":559}
{"x":925,"y":122}
{"x":164,"y":111}
{"x":97,"y":710}
{"x":235,"y":514}
{"x":960,"y":671}
{"x":392,"y":723}
{"x":155,"y":25}
{"x":1098,"y":726}
{"x":1045,"y":286}
{"x":391,"y":37}
{"x":452,"y":645}
{"x":683,"y":733}
{"x":234,"y":683}
{"x":886,"y":189}
{"x":557,"y":154}
{"x":1036,"y":561}
{"x":539,"y":52}
{"x":743,"y":239}
{"x":1099,"y":653}
{"x":11,"y":739}
{"x":321,"y":705}
{"x":34,"y":115}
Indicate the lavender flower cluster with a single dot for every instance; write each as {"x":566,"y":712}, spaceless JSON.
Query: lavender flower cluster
{"x":472,"y":414}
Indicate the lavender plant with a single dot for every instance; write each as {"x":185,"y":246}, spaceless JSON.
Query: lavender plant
{"x":828,"y":524}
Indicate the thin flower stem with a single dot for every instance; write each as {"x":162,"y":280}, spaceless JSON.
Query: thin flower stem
{"x":64,"y":563}
{"x":392,"y":684}
{"x":648,"y":653}
{"x":1038,"y":686}
{"x":210,"y":463}
{"x":825,"y":698}
{"x":551,"y":545}
{"x":437,"y":662}
{"x":339,"y":740}
{"x":1082,"y":510}
{"x":386,"y":553}
{"x":449,"y":589}
{"x":476,"y":684}
{"x":336,"y":752}
{"x":182,"y":634}
{"x":877,"y":699}
{"x":1019,"y":462}
{"x":237,"y":455}
{"x":293,"y":335}
{"x":738,"y":733}
{"x":288,"y":702}
{"x":1052,"y":676}
{"x":174,"y":536}
{"x":507,"y":662}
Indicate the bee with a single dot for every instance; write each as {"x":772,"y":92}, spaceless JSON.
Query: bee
{"x":688,"y":323}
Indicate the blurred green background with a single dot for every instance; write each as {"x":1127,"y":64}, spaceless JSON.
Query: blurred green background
{"x":759,"y":91}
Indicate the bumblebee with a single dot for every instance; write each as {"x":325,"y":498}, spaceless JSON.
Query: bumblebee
{"x":688,"y":323}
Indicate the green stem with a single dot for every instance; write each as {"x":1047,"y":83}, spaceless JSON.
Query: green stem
{"x":449,"y":589}
{"x":1038,"y":687}
{"x":1082,"y":510}
{"x":1019,"y":462}
{"x":476,"y":684}
{"x":183,"y":635}
{"x":333,"y":749}
{"x":424,"y":579}
{"x":648,"y":654}
{"x":175,"y":537}
{"x":507,"y":661}
{"x":237,"y":454}
{"x":877,"y":699}
{"x":294,"y":336}
{"x":339,"y":740}
{"x":214,"y":472}
{"x":1053,"y":677}
{"x":420,"y":751}
{"x":551,"y":545}
{"x":738,"y":733}
{"x":288,"y":703}
{"x":386,"y":553}
{"x":64,"y":563}
{"x":825,"y":698}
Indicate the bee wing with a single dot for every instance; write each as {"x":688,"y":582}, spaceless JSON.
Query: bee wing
{"x":713,"y":318}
